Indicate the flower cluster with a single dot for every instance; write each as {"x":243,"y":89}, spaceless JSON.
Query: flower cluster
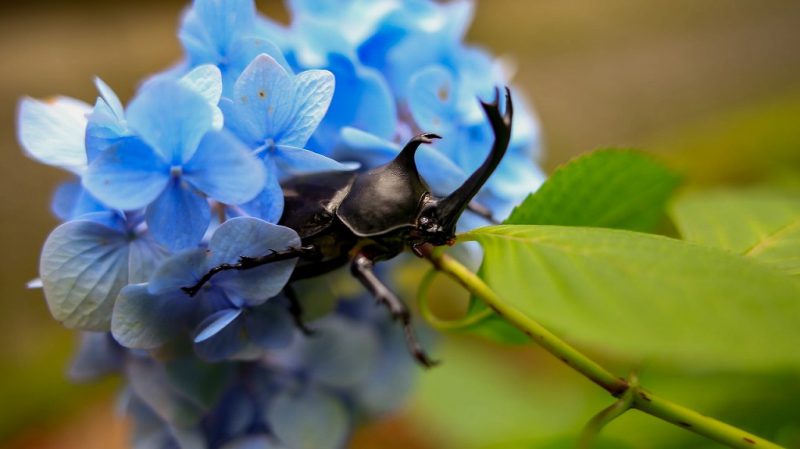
{"x":188,"y":176}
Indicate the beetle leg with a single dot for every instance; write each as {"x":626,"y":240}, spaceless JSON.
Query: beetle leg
{"x":247,"y":263}
{"x":361,"y":268}
{"x":296,"y":310}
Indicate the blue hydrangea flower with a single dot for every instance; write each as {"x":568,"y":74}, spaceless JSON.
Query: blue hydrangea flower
{"x":229,"y":312}
{"x":85,"y":264}
{"x":52,"y":132}
{"x":274,"y":113}
{"x":176,"y":161}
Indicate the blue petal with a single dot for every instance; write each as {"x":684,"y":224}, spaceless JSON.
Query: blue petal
{"x":313,"y":94}
{"x":267,"y":205}
{"x":103,"y":130}
{"x":179,"y":217}
{"x":144,"y":257}
{"x":142,"y":320}
{"x":432,"y":99}
{"x":228,"y":343}
{"x":215,"y":323}
{"x":71,"y":200}
{"x":98,"y":356}
{"x":343,"y":355}
{"x":362,"y":100}
{"x":148,"y":380}
{"x":207,"y":81}
{"x":181,"y":270}
{"x":224,"y":20}
{"x":309,"y":419}
{"x":83,"y":267}
{"x":269,"y":326}
{"x":298,"y":161}
{"x":171,"y":118}
{"x":441,"y":173}
{"x":53,"y":132}
{"x":244,"y":51}
{"x":264,"y":93}
{"x":251,"y":237}
{"x":127,"y":176}
{"x":225,"y":170}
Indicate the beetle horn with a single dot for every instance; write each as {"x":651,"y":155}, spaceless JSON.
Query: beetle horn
{"x":406,"y":155}
{"x":451,"y":207}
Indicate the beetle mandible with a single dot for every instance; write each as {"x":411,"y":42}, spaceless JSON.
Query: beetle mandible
{"x":368,"y":217}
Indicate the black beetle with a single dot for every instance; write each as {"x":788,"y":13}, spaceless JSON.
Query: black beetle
{"x":367,"y":217}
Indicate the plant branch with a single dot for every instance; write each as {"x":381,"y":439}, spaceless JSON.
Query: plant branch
{"x":608,"y":414}
{"x":617,"y":387}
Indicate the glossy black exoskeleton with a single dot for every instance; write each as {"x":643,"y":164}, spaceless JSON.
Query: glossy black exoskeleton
{"x":365,"y":217}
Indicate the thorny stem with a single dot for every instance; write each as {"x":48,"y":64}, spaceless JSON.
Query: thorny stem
{"x":642,"y":400}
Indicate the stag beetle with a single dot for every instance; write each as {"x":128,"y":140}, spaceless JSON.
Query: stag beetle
{"x":363,"y":218}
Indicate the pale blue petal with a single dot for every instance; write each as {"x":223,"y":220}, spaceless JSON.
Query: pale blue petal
{"x":224,"y":20}
{"x":207,"y":81}
{"x":432,"y":99}
{"x":243,"y":51}
{"x":267,"y":205}
{"x":103,"y":130}
{"x":390,"y":383}
{"x":313,"y":94}
{"x":225,"y":170}
{"x":53,"y":132}
{"x":110,"y":98}
{"x":309,"y":419}
{"x":251,"y":237}
{"x":181,"y":270}
{"x":265,"y":94}
{"x":369,"y":149}
{"x":269,"y":326}
{"x":237,"y":122}
{"x":441,"y":173}
{"x":171,"y":118}
{"x":215,"y":323}
{"x":179,"y":217}
{"x":127,"y":176}
{"x":83,"y":267}
{"x":142,"y":320}
{"x":298,"y":161}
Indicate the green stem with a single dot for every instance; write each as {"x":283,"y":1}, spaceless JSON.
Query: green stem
{"x":608,"y":414}
{"x":642,"y":399}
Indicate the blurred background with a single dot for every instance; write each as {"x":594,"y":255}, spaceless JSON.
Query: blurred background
{"x":713,"y":87}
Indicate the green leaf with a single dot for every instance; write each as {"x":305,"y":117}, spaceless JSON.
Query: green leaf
{"x":646,"y":296}
{"x":759,"y":223}
{"x":622,"y":189}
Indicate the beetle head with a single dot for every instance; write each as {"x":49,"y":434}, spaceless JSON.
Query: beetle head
{"x":436,"y":222}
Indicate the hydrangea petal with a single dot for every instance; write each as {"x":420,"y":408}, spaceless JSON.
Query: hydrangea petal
{"x":225,"y":170}
{"x":179,"y":217}
{"x":369,"y":149}
{"x":110,"y":98}
{"x":83,"y":267}
{"x":269,"y":326}
{"x":150,"y":384}
{"x":251,"y":237}
{"x":309,"y":419}
{"x":98,"y":356}
{"x":71,"y":200}
{"x":313,"y":94}
{"x":265,"y":94}
{"x":127,"y":176}
{"x":181,"y":270}
{"x":213,"y":324}
{"x":432,"y":98}
{"x":53,"y":132}
{"x":142,"y":320}
{"x":298,"y":161}
{"x":267,"y":205}
{"x":171,"y":118}
{"x":207,"y":81}
{"x":230,"y":342}
{"x":224,"y":20}
{"x":144,"y":257}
